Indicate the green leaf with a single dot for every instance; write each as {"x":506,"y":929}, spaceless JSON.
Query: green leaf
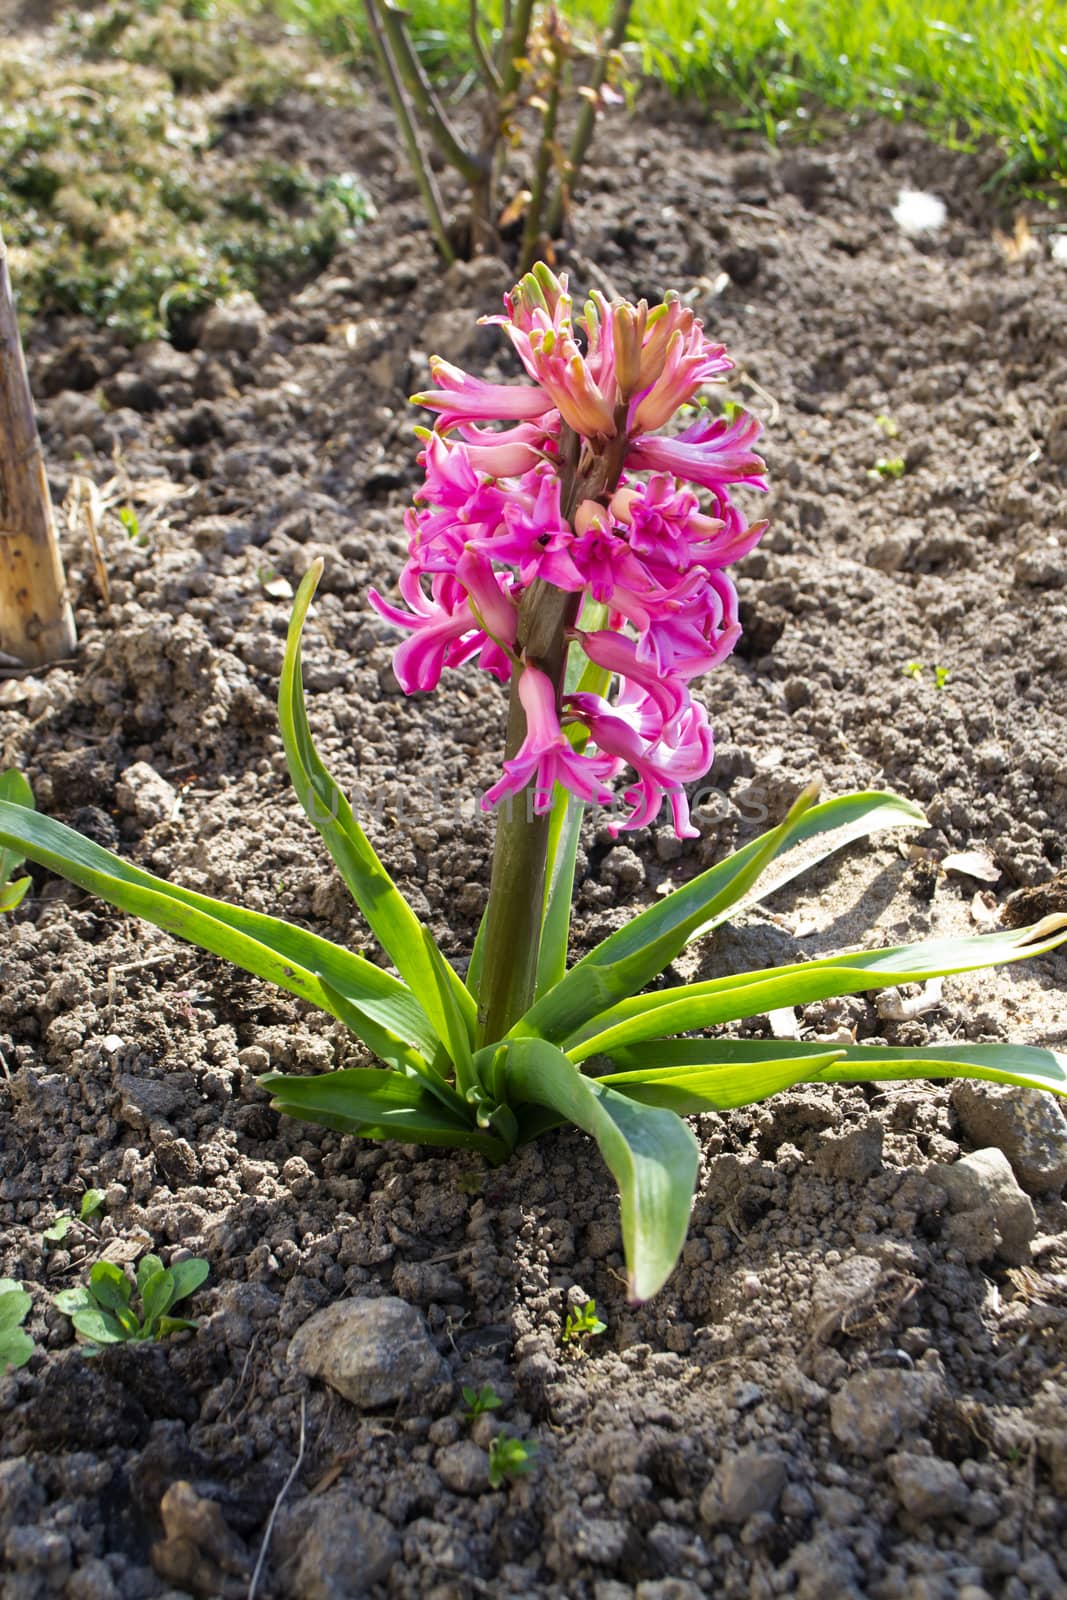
{"x":14,"y":1304}
{"x":188,"y":1275}
{"x":651,"y":1153}
{"x":373,"y":1005}
{"x":12,"y":894}
{"x":156,"y":1295}
{"x":16,"y":1348}
{"x":376,"y":1105}
{"x":742,"y":1061}
{"x":175,"y":1325}
{"x":147,"y":1268}
{"x":98,"y":1325}
{"x":686,"y":1008}
{"x":71,"y":1300}
{"x":109,"y":1286}
{"x":91,"y":1202}
{"x":629,"y":958}
{"x":59,"y":1229}
{"x":719,"y":1085}
{"x":15,"y":789}
{"x":396,"y":926}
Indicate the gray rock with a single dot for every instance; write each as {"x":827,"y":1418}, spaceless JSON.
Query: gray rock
{"x":235,"y":324}
{"x":870,"y":1412}
{"x":928,"y":1487}
{"x":373,"y":1352}
{"x":92,"y":1581}
{"x":346,"y":1550}
{"x":463,"y":1467}
{"x":1027,"y":1124}
{"x":746,"y":1483}
{"x":992,"y":1215}
{"x":142,"y":793}
{"x":668,"y":1589}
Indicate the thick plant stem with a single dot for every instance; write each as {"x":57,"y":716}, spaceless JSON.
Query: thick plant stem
{"x":36,"y":621}
{"x":486,"y":65}
{"x":427,"y":106}
{"x":420,"y":168}
{"x":583,"y":132}
{"x":520,"y":854}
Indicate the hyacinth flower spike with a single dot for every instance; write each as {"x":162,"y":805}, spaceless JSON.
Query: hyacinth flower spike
{"x":565,"y":543}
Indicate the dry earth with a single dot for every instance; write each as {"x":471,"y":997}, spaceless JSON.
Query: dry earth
{"x":853,"y":1385}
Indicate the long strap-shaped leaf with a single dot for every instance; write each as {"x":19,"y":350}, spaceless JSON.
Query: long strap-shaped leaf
{"x":397,"y":928}
{"x":652,"y":1155}
{"x":701,"y":1005}
{"x":376,"y":1105}
{"x":719,"y":1074}
{"x":376,"y":1007}
{"x":627,"y":960}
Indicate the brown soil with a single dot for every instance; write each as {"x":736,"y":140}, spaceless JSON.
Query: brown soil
{"x":825,"y":1287}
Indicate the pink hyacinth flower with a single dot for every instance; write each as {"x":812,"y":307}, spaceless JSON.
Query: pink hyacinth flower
{"x":460,"y":398}
{"x":712,"y":453}
{"x":662,"y":767}
{"x":546,"y":756}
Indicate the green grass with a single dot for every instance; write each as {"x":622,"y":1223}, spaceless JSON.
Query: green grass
{"x":111,"y":201}
{"x":968,"y":69}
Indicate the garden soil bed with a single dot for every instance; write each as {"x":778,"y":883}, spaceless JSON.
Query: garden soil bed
{"x":847,"y":1388}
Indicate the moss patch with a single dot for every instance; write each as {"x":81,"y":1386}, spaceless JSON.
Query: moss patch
{"x":116,"y":197}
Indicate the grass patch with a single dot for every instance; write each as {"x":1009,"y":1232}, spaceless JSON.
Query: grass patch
{"x":968,"y":69}
{"x":112,"y":200}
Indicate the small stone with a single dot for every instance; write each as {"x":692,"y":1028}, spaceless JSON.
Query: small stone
{"x":844,"y":1296}
{"x":928,"y":1487}
{"x":982,"y":1187}
{"x":373,"y":1352}
{"x":624,"y":867}
{"x":21,"y":1496}
{"x":888,"y":554}
{"x":463,"y":1467}
{"x":235,"y":324}
{"x":797,"y":692}
{"x":1027,"y":1124}
{"x":1043,"y":568}
{"x":147,"y":1100}
{"x":854,"y":1157}
{"x":346,"y":1550}
{"x":746,"y":1483}
{"x":871,"y":1411}
{"x":92,"y":1581}
{"x":41,"y":1551}
{"x":142,"y":793}
{"x":668,"y":1589}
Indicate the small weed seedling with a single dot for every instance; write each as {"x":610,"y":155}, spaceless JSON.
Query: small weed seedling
{"x":509,"y":1458}
{"x":888,"y":425}
{"x":915,"y":669}
{"x":941,"y":677}
{"x":102,"y":1309}
{"x":479,"y":1401}
{"x":16,"y":1347}
{"x":582,"y":1323}
{"x":91,"y":1202}
{"x":888,"y":467}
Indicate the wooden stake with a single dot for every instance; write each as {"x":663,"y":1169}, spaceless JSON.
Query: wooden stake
{"x":36,"y":622}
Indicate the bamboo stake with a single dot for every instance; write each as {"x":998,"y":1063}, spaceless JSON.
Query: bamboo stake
{"x":36,"y":621}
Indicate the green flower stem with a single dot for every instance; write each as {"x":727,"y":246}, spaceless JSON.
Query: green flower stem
{"x":520,"y":854}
